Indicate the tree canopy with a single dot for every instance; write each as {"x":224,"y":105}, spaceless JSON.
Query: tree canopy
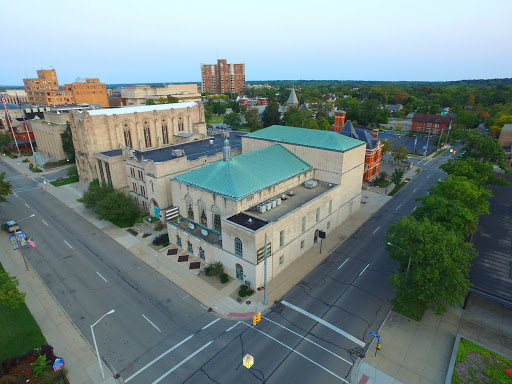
{"x":5,"y":188}
{"x":67,"y":143}
{"x":9,"y":293}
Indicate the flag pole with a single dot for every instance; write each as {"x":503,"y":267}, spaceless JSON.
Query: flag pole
{"x":9,"y":122}
{"x":25,"y":125}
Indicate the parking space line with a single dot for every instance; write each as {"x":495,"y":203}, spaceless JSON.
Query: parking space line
{"x":297,"y":352}
{"x":376,"y":229}
{"x":398,"y":207}
{"x":233,"y":326}
{"x":327,"y":324}
{"x":414,"y":190}
{"x":159,"y":357}
{"x":311,"y":341}
{"x":26,"y":205}
{"x":181,"y":363}
{"x":44,"y":221}
{"x":68,"y":244}
{"x":213,"y":322}
{"x":414,"y":209}
{"x":343,"y":263}
{"x":14,"y":193}
{"x":428,"y":176}
{"x":99,"y":274}
{"x":364,"y":269}
{"x":150,"y":322}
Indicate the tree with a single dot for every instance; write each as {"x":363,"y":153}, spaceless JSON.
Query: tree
{"x":95,"y":193}
{"x":67,"y":143}
{"x":479,"y":172}
{"x":232,"y":119}
{"x":9,"y":293}
{"x":235,"y":107}
{"x":172,"y":99}
{"x":324,"y":125}
{"x":311,"y":123}
{"x":271,"y":114}
{"x":5,"y":140}
{"x":150,"y":102}
{"x":434,"y":265}
{"x":482,"y":147}
{"x":252,"y":119}
{"x":386,"y":146}
{"x":396,"y":176}
{"x":399,"y":153}
{"x":72,"y":171}
{"x":5,"y":188}
{"x":208,"y":114}
{"x":351,"y":106}
{"x":219,"y":108}
{"x":116,"y":206}
{"x":369,"y":111}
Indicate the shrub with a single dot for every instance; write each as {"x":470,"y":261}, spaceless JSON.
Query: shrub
{"x":72,"y":171}
{"x":383,"y":175}
{"x":146,"y":235}
{"x":51,"y":377}
{"x":35,"y":169}
{"x":214,"y":269}
{"x":245,"y":291}
{"x":159,"y":226}
{"x":132,"y":231}
{"x":224,"y":278}
{"x":40,"y":365}
{"x":161,"y":239}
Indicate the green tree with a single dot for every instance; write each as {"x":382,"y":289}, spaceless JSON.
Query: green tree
{"x":396,"y":176}
{"x":67,"y":143}
{"x":72,"y":171}
{"x":252,"y":119}
{"x":95,"y":193}
{"x":399,"y":153}
{"x":479,"y":172}
{"x":434,"y":265}
{"x":9,"y":293}
{"x":369,"y":111}
{"x":386,"y":146}
{"x":5,"y":188}
{"x":351,"y":106}
{"x":311,"y":123}
{"x":5,"y":139}
{"x":208,"y":114}
{"x":324,"y":125}
{"x":150,"y":102}
{"x":116,"y":206}
{"x":219,"y":108}
{"x":232,"y":119}
{"x":235,"y":107}
{"x":271,"y":114}
{"x":482,"y":147}
{"x":172,"y":99}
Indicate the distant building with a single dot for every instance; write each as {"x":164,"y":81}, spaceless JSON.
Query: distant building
{"x":339,"y":120}
{"x":394,"y":107}
{"x":222,"y":77}
{"x":88,"y":91}
{"x":10,"y":96}
{"x":506,"y":140}
{"x":45,"y":90}
{"x":138,"y":94}
{"x":293,"y":101}
{"x":435,"y":124}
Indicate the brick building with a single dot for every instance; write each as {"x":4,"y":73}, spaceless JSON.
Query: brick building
{"x":88,"y":91}
{"x":222,"y":77}
{"x":45,"y":90}
{"x":339,"y":120}
{"x":435,"y":124}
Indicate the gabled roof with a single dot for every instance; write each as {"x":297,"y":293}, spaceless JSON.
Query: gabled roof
{"x":507,"y":128}
{"x":293,"y":98}
{"x":360,"y":134}
{"x":306,"y":137}
{"x":438,"y":119}
{"x":246,"y":174}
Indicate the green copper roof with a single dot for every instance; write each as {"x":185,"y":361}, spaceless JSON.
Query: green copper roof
{"x":246,"y":174}
{"x":307,"y":137}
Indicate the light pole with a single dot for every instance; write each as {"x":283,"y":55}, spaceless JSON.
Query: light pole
{"x":96,"y":345}
{"x":18,"y":241}
{"x":410,"y":256}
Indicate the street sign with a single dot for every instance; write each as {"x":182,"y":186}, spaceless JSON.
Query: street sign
{"x":22,"y":239}
{"x":32,"y":242}
{"x":14,"y":243}
{"x":374,"y":334}
{"x":59,"y":363}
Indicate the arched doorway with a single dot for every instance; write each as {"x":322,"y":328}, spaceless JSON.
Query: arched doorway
{"x":156,"y":209}
{"x":240,"y":273}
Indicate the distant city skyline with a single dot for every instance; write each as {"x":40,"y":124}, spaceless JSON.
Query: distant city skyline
{"x":132,"y":42}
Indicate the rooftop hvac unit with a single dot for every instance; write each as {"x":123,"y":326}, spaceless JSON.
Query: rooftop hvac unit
{"x":269,"y":206}
{"x":273,"y":202}
{"x":310,"y":184}
{"x":191,"y":226}
{"x":262,"y":208}
{"x":278,"y":201}
{"x":211,"y":142}
{"x":178,"y":152}
{"x":204,"y":232}
{"x":290,"y":193}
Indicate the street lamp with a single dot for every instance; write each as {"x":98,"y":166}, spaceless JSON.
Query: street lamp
{"x":410,"y":256}
{"x":96,"y":345}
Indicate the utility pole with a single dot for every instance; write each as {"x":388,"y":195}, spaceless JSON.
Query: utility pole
{"x":428,"y":139}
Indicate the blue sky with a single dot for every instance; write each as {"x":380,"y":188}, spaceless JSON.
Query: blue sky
{"x":165,"y":41}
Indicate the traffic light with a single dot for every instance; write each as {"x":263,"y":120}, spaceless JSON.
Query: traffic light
{"x":256,"y":318}
{"x":378,"y":345}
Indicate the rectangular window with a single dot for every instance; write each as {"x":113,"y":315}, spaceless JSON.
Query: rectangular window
{"x":281,"y":239}
{"x":318,"y":214}
{"x":304,"y":224}
{"x":281,"y":261}
{"x":328,"y":225}
{"x":132,"y":172}
{"x":330,"y":207}
{"x":102,"y":177}
{"x":107,"y":171}
{"x":302,"y":245}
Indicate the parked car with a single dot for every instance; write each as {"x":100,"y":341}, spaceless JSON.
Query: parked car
{"x":11,"y":226}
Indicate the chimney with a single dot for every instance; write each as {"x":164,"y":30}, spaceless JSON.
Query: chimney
{"x":339,"y":120}
{"x":227,"y":150}
{"x":375,"y":133}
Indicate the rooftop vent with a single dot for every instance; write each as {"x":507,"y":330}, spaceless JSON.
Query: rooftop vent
{"x":290,"y":193}
{"x":310,"y":184}
{"x":178,"y":152}
{"x":211,"y":142}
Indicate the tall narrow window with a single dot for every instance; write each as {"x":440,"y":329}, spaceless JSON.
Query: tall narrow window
{"x":189,"y":247}
{"x":127,"y":135}
{"x":147,"y":133}
{"x":239,"y":251}
{"x":304,"y":224}
{"x":178,"y":241}
{"x":281,"y":239}
{"x":190,"y":210}
{"x":330,"y":207}
{"x":216,"y":219}
{"x":202,"y":212}
{"x":318,"y":214}
{"x":180,"y":124}
{"x":100,"y":167}
{"x":165,"y":133}
{"x":107,"y":171}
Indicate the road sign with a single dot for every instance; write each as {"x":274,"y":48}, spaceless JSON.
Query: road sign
{"x":31,"y":242}
{"x":22,"y":239}
{"x":14,"y":243}
{"x":59,"y":363}
{"x":374,"y":334}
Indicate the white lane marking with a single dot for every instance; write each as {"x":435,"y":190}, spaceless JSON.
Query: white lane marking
{"x":180,"y":363}
{"x":428,"y":176}
{"x":311,"y":341}
{"x":14,"y":193}
{"x":364,"y":269}
{"x":343,"y":263}
{"x":398,"y":207}
{"x":213,"y":322}
{"x":376,"y":229}
{"x":184,"y":297}
{"x":414,"y":209}
{"x":99,"y":274}
{"x":429,"y":161}
{"x":414,"y":190}
{"x":150,"y":322}
{"x":327,"y":324}
{"x":159,"y":357}
{"x":26,"y":205}
{"x":68,"y":244}
{"x":297,"y":352}
{"x":230,"y":328}
{"x":44,"y":221}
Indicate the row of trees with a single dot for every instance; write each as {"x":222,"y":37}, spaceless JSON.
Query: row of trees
{"x":163,"y":100}
{"x":432,"y":246}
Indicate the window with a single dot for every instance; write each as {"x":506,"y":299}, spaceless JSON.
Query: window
{"x":330,"y":207}
{"x":102,"y":178}
{"x":304,"y":224}
{"x":189,"y":247}
{"x":127,"y":135}
{"x":132,"y":172}
{"x":134,"y":187}
{"x":107,"y":171}
{"x":178,"y":241}
{"x":239,"y":251}
{"x":281,"y":261}
{"x":328,"y":225}
{"x":318,"y":214}
{"x":302,"y":245}
{"x":202,"y":212}
{"x":165,"y":133}
{"x":201,"y":254}
{"x":216,"y":219}
{"x":180,"y":124}
{"x":281,"y":239}
{"x":147,"y":134}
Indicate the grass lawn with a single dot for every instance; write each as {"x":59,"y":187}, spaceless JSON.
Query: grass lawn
{"x":67,"y":180}
{"x":126,"y":223}
{"x":476,"y":364}
{"x":397,"y":188}
{"x":19,"y":332}
{"x":216,"y":120}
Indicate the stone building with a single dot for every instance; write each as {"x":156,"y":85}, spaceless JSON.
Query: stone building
{"x":47,"y":133}
{"x":288,"y":187}
{"x":138,"y":94}
{"x":141,"y":128}
{"x":11,"y":94}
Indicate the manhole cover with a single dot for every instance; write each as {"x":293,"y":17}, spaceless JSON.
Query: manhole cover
{"x":248,"y":302}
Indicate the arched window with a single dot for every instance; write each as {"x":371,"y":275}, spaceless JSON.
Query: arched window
{"x":201,"y":254}
{"x":190,"y":210}
{"x":216,"y":218}
{"x":180,"y":124}
{"x":239,"y":251}
{"x":178,"y":241}
{"x":190,"y":248}
{"x":165,"y":133}
{"x":127,"y":135}
{"x":147,"y":133}
{"x":202,"y":212}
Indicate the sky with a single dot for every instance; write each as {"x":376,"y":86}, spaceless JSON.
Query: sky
{"x":167,"y":40}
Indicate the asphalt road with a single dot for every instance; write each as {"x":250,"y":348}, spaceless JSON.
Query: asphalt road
{"x":89,"y":274}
